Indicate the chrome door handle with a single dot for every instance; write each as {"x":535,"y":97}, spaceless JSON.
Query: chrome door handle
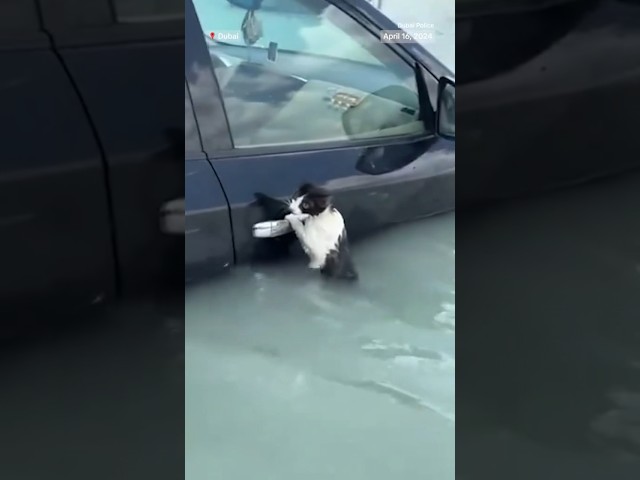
{"x":274,"y":228}
{"x":172,"y":218}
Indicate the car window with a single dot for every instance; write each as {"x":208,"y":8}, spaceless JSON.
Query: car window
{"x":135,"y":11}
{"x":311,"y":74}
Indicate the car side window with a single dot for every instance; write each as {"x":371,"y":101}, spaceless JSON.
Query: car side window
{"x":304,"y":72}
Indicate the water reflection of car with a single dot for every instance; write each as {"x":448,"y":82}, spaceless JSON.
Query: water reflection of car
{"x":271,"y":115}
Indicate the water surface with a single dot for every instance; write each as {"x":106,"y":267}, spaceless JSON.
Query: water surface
{"x":290,"y":377}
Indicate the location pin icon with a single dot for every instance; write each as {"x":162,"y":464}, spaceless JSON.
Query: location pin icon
{"x":212,"y":35}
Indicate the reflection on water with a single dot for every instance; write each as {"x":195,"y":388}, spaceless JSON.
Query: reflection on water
{"x":104,"y":389}
{"x":548,"y":379}
{"x":290,"y":376}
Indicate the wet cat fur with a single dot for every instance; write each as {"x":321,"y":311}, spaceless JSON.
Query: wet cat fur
{"x":319,"y":227}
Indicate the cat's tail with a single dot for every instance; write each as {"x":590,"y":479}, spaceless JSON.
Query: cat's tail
{"x":349,"y":273}
{"x":351,"y":276}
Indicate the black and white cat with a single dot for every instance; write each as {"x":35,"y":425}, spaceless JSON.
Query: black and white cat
{"x":321,"y":231}
{"x":319,"y":227}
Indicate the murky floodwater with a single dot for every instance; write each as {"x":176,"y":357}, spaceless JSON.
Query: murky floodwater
{"x":290,"y":377}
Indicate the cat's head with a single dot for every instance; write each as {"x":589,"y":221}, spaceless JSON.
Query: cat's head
{"x":310,"y":199}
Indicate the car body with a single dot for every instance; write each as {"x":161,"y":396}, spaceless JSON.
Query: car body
{"x":238,"y":133}
{"x":90,"y":152}
{"x":547,"y":81}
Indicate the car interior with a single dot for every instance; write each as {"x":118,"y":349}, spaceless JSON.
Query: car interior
{"x":267,"y":106}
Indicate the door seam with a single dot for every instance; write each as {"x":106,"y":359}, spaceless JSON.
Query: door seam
{"x":103,"y":157}
{"x":224,"y":192}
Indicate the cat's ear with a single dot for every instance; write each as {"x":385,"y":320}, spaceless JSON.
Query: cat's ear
{"x":324,"y":202}
{"x":322,"y":198}
{"x":321,"y":192}
{"x":304,"y":189}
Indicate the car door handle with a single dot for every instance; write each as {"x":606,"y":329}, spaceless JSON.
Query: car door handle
{"x":272,"y":229}
{"x":172,"y":217}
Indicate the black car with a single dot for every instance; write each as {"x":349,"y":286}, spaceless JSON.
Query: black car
{"x":274,"y":99}
{"x":567,"y":64}
{"x":92,"y":150}
{"x":92,"y":172}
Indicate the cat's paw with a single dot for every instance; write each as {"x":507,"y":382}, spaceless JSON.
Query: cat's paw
{"x":295,"y":218}
{"x":315,"y":265}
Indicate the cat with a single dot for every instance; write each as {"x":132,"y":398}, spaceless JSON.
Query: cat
{"x":319,"y":227}
{"x":321,"y":230}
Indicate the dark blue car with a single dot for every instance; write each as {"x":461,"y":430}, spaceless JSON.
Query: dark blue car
{"x":277,"y":98}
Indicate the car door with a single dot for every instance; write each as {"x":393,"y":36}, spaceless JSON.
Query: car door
{"x":207,"y":228}
{"x":57,"y":253}
{"x":136,"y":125}
{"x":318,"y":98}
{"x":498,"y":88}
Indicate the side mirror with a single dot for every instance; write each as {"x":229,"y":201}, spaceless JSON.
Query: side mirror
{"x":446,"y":113}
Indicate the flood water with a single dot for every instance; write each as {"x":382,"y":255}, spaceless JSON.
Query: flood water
{"x":290,"y":377}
